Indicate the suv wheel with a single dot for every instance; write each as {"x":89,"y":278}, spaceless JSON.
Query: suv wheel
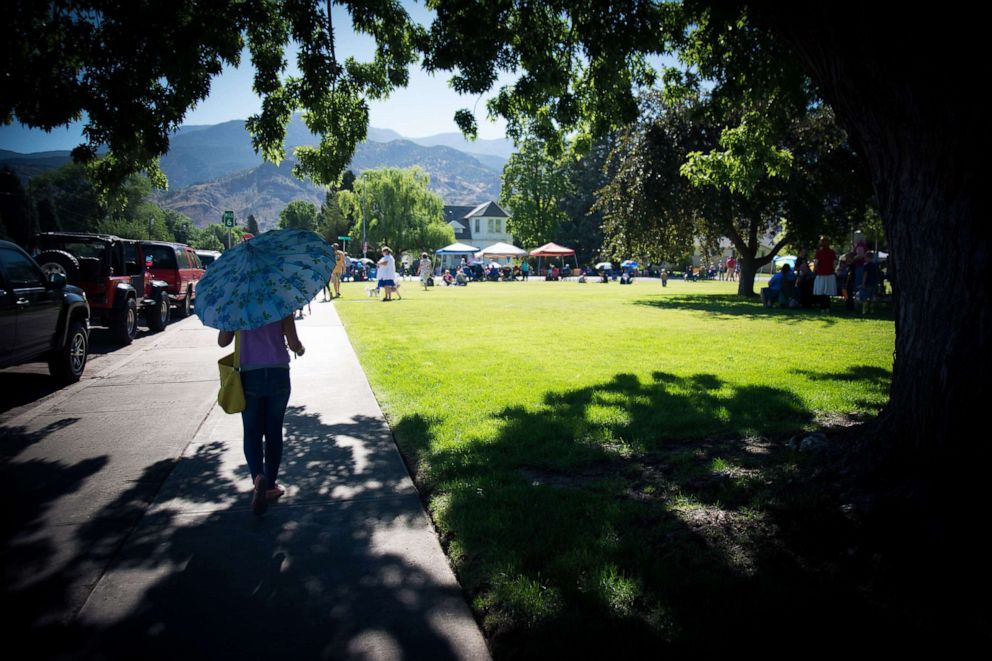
{"x":67,"y":364}
{"x":158,"y":316}
{"x":186,"y":307}
{"x":61,"y":262}
{"x":124,"y":322}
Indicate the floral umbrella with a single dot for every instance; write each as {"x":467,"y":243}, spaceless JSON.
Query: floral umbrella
{"x":263,"y":279}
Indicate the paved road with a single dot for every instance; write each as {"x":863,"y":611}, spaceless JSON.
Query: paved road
{"x":86,"y":461}
{"x":130,"y":534}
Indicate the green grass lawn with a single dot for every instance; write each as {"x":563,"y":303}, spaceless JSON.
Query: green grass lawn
{"x":607,"y":465}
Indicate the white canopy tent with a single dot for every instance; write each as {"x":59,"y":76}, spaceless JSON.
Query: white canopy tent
{"x":501,"y":250}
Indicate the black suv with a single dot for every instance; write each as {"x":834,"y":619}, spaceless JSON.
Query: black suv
{"x":41,"y":318}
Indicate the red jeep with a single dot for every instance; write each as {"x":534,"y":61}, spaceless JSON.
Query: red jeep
{"x":178,"y":265}
{"x":112,"y":272}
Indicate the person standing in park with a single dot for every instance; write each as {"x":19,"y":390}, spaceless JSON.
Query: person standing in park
{"x":868,"y":283}
{"x":425,"y":269}
{"x":524,"y":270}
{"x":387,"y":273}
{"x":340,"y":260}
{"x":265,"y":380}
{"x":825,"y":284}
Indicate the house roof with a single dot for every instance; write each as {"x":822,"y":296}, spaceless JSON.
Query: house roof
{"x":487,"y":210}
{"x":456,"y":213}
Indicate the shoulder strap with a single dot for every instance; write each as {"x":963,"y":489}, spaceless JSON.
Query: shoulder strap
{"x":237,"y":350}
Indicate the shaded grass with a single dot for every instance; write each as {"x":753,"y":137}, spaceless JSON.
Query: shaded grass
{"x":605,"y":464}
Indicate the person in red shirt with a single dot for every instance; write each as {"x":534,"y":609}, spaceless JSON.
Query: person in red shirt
{"x":825,"y":284}
{"x":731,"y":268}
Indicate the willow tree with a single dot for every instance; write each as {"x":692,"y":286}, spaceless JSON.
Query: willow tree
{"x":395,"y":207}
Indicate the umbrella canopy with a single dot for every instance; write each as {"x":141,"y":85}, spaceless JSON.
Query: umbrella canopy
{"x":604,"y":266}
{"x":629,"y":263}
{"x":502,"y":250}
{"x":457,"y":249}
{"x":264,"y":279}
{"x":366,"y":260}
{"x":551,"y":250}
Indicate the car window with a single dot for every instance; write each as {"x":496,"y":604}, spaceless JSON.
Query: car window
{"x":160,"y":257}
{"x":21,"y":271}
{"x":194,"y":260}
{"x":183,"y":259}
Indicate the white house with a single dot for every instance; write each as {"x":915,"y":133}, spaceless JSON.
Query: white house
{"x":480,"y":226}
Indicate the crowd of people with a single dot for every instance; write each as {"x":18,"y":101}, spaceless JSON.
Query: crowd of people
{"x":855,"y":277}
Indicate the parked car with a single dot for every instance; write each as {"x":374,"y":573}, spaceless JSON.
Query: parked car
{"x":207,"y":257}
{"x":112,"y":272}
{"x":41,"y":318}
{"x":178,"y":265}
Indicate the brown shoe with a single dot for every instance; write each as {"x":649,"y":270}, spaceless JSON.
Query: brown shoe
{"x":259,"y":503}
{"x":275,"y":493}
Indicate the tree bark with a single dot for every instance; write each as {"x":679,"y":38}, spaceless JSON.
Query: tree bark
{"x":903,"y":85}
{"x":749,"y":269}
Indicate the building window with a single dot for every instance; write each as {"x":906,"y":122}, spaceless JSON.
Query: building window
{"x":498,"y":230}
{"x":476,"y":225}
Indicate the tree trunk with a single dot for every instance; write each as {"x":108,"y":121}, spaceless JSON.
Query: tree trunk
{"x":910,"y":112}
{"x":749,"y":269}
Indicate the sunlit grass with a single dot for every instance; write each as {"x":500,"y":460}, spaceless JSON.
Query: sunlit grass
{"x":528,"y":411}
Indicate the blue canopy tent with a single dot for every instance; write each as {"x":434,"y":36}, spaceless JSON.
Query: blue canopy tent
{"x":456,"y":250}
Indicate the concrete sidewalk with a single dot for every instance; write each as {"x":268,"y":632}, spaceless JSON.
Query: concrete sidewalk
{"x":347,"y":565}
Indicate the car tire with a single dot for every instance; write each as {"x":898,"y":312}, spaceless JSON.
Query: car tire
{"x":59,"y":261}
{"x":185,"y":307}
{"x":124,"y":322}
{"x":67,"y":364}
{"x":157,"y":315}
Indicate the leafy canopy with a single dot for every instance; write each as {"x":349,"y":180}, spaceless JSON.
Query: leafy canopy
{"x":132,"y":70}
{"x":533,"y":187}
{"x":394,"y":207}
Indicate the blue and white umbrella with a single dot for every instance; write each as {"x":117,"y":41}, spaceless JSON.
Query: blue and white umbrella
{"x":264,"y":279}
{"x":629,"y":264}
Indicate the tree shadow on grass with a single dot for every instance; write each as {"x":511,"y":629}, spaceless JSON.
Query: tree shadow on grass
{"x":733,"y":306}
{"x":318,"y":576}
{"x":590,"y":526}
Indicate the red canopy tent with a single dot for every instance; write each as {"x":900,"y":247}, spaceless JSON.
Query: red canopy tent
{"x":551,"y":250}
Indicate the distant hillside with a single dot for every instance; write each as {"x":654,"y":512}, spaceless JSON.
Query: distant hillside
{"x":207,"y":153}
{"x":457,"y":177}
{"x":502,"y":148}
{"x":213,"y":168}
{"x":30,"y":165}
{"x":263,"y":191}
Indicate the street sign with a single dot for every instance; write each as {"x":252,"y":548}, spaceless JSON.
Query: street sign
{"x":344,"y":238}
{"x":228,"y":219}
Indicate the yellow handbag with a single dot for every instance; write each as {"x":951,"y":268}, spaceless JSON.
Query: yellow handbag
{"x":231,"y":396}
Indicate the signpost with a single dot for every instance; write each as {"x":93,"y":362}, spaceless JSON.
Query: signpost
{"x":229,"y":223}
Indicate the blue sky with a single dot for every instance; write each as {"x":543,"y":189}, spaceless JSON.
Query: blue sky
{"x":426,"y":107}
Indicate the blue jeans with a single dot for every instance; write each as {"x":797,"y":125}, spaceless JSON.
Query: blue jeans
{"x":266,"y":397}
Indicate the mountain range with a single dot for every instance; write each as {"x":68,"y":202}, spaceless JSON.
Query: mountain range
{"x":212,"y":168}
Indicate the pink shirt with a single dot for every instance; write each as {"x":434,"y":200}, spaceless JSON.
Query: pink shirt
{"x":264,"y":347}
